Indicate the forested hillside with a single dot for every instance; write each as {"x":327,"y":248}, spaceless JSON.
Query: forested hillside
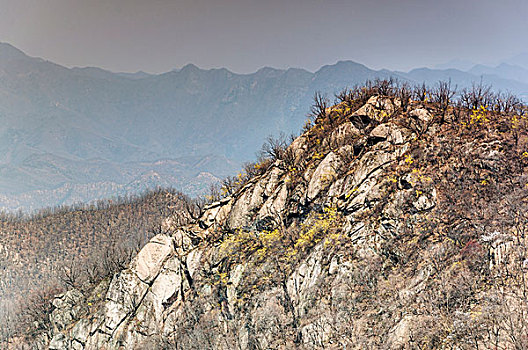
{"x":60,"y":248}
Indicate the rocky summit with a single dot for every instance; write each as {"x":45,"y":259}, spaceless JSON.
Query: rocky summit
{"x":392,"y":222}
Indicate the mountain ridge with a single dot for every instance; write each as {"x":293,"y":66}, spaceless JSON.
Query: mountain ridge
{"x":86,"y":113}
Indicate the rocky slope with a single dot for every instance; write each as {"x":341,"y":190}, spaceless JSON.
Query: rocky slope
{"x":49,"y":252}
{"x":382,"y":226}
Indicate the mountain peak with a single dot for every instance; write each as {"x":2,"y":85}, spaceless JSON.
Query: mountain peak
{"x":190,"y":68}
{"x":348,"y":64}
{"x":344,"y":66}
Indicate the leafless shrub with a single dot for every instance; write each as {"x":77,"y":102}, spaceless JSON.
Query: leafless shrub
{"x":8,"y":322}
{"x":355,"y":96}
{"x":319,"y":106}
{"x":359,"y":95}
{"x":116,"y":258}
{"x":346,"y":95}
{"x":365,"y":92}
{"x":34,"y":316}
{"x":215,"y":193}
{"x":70,"y":274}
{"x":458,"y":112}
{"x":504,"y":314}
{"x":274,"y":148}
{"x":478,"y":95}
{"x":231,"y":184}
{"x":277,"y":149}
{"x":384,"y":87}
{"x":258,"y":168}
{"x":442,"y":95}
{"x":197,"y":331}
{"x":505,"y":102}
{"x":193,"y":208}
{"x":93,"y":272}
{"x":420,"y":92}
{"x":404,"y":92}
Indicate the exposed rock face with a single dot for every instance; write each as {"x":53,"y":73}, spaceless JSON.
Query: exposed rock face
{"x":230,"y":280}
{"x":324,"y":175}
{"x":68,"y":307}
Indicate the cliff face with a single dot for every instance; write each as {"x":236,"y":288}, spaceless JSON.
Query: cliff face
{"x":368,"y":232}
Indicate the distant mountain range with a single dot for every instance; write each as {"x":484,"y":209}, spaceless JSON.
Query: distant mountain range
{"x":82,"y":134}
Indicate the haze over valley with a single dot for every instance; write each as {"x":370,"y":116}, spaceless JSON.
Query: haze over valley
{"x":70,"y":135}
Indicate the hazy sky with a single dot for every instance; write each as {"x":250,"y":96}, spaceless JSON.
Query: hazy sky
{"x":244,"y":35}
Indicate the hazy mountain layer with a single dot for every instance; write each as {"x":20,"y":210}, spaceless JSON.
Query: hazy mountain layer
{"x":98,"y":133}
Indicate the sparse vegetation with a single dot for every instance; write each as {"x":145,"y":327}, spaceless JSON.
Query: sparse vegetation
{"x":73,"y":247}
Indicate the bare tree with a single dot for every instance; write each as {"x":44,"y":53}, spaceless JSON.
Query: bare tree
{"x":320,"y":106}
{"x":442,"y":95}
{"x":404,"y":93}
{"x":70,"y":274}
{"x":420,"y":92}
{"x":478,"y":95}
